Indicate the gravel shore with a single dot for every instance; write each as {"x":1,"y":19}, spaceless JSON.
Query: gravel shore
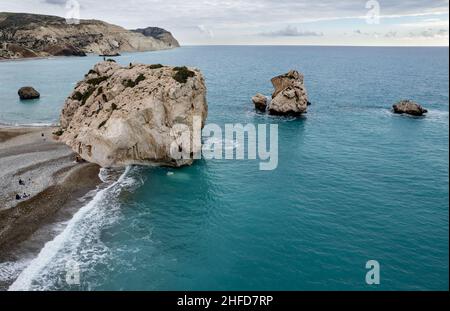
{"x":38,"y":177}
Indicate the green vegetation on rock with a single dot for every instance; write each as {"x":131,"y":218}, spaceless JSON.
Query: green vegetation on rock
{"x":87,"y":94}
{"x":77,"y":95}
{"x":96,"y":81}
{"x":156,"y":66}
{"x":182,"y":74}
{"x":131,"y":83}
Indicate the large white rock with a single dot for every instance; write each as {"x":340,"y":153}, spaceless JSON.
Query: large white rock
{"x":119,"y":116}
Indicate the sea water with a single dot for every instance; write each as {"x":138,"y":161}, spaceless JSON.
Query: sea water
{"x":354,"y":182}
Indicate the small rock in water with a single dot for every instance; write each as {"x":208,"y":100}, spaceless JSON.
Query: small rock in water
{"x":28,"y":92}
{"x":409,"y":107}
{"x":260,"y":102}
{"x":170,"y":173}
{"x":18,"y":197}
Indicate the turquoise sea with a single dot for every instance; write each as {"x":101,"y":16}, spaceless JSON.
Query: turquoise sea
{"x":354,"y":182}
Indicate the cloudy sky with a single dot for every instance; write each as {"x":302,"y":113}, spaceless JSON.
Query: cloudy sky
{"x":317,"y":22}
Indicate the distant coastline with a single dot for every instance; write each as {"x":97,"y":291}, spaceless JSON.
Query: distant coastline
{"x":33,"y":36}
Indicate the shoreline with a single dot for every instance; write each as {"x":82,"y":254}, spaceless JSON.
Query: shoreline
{"x":42,"y":171}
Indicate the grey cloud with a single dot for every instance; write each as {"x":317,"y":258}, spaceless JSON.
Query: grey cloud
{"x":235,"y":13}
{"x":391,"y":34}
{"x":291,"y":31}
{"x":58,"y":2}
{"x":205,"y":30}
{"x":429,"y":33}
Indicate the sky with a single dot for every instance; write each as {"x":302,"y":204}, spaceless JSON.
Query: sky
{"x":266,"y":22}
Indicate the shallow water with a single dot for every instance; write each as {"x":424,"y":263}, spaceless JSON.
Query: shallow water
{"x":354,"y":182}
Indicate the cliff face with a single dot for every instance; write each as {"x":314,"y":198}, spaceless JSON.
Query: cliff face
{"x":30,"y":35}
{"x":159,"y":34}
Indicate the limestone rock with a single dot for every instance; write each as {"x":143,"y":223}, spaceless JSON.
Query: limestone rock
{"x":409,"y":107}
{"x":260,"y":102}
{"x":119,"y":116}
{"x":290,"y":96}
{"x":27,"y":92}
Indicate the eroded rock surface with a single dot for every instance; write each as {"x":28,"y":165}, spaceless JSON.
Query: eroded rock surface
{"x":409,"y":107}
{"x":290,"y":96}
{"x":118,"y":115}
{"x":260,"y":102}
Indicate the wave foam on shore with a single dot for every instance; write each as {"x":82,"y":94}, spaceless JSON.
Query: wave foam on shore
{"x":70,"y":239}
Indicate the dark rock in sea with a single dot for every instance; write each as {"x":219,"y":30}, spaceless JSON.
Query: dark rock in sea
{"x":260,"y":102}
{"x":409,"y":107}
{"x":110,"y":55}
{"x":308,"y":103}
{"x":28,"y":92}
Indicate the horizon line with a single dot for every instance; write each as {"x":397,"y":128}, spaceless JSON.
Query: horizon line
{"x":321,"y":45}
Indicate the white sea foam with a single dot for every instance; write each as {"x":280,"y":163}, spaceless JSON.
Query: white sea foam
{"x":36,"y":124}
{"x":69,"y":235}
{"x":226,"y":144}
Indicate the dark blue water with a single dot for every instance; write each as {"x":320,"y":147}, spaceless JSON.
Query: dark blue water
{"x":354,"y":182}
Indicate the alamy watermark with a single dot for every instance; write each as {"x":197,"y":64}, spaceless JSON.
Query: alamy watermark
{"x":72,"y":12}
{"x":373,"y":275}
{"x":72,"y":273}
{"x":373,"y":15}
{"x":227,"y":144}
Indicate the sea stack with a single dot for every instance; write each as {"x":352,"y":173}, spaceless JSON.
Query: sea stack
{"x":28,"y":92}
{"x":290,"y":96}
{"x":260,"y":102}
{"x":119,"y":116}
{"x":409,"y":107}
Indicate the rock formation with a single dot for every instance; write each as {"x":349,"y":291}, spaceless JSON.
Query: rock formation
{"x":119,"y":116}
{"x":30,"y":35}
{"x":289,"y":97}
{"x":409,"y":107}
{"x":27,"y":92}
{"x":260,"y":102}
{"x":159,"y":34}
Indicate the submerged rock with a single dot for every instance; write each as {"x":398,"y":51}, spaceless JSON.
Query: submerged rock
{"x":28,"y":92}
{"x":260,"y":102}
{"x":290,"y":96}
{"x":119,"y":116}
{"x":409,"y":107}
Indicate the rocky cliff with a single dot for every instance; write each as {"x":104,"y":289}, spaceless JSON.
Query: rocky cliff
{"x":30,"y":35}
{"x":137,"y":114}
{"x":159,"y":34}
